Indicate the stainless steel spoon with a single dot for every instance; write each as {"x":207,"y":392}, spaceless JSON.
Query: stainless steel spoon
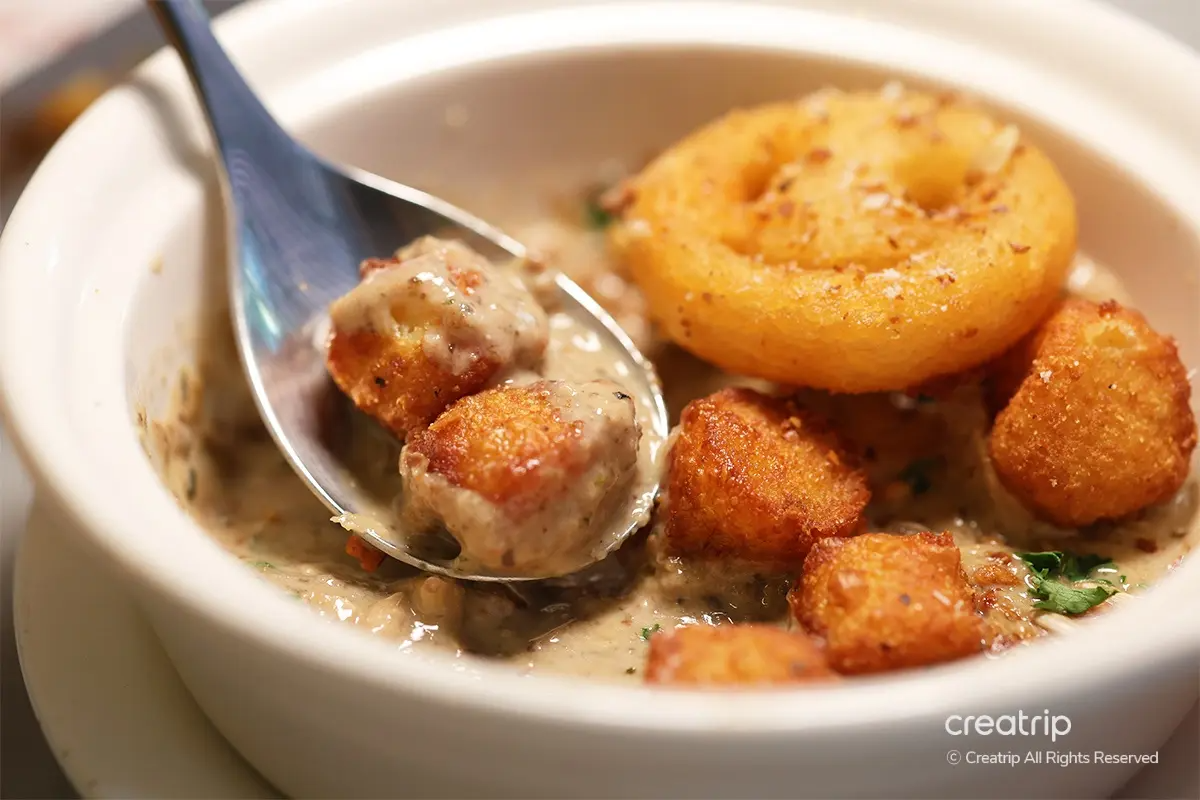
{"x":298,"y":228}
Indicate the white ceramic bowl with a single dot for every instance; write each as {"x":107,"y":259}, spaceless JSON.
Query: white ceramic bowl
{"x":88,"y":331}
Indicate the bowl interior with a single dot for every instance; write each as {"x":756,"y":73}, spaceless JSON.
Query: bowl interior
{"x":132,"y":264}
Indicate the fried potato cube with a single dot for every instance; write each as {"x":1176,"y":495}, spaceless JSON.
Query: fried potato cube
{"x":431,"y":325}
{"x":734,"y":655}
{"x":1095,"y":421}
{"x":884,"y":601}
{"x":758,"y":479}
{"x":526,"y":477}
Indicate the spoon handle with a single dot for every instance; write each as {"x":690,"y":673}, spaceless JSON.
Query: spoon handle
{"x":235,"y":115}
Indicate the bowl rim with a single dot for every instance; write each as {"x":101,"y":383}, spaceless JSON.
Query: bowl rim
{"x":1103,"y":39}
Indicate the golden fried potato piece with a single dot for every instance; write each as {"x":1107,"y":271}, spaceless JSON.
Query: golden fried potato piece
{"x":759,"y":479}
{"x":734,"y":655}
{"x":526,"y":477}
{"x":885,"y":601}
{"x":433,"y":324}
{"x":853,"y":242}
{"x":1096,"y":421}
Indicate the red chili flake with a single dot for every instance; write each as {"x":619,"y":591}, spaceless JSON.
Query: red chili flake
{"x":617,"y":198}
{"x":891,"y":240}
{"x":373,"y":264}
{"x":989,"y":195}
{"x":985,"y":601}
{"x":1019,"y":248}
{"x":1146,"y":545}
{"x":819,"y":155}
{"x":368,"y":557}
{"x":787,"y":208}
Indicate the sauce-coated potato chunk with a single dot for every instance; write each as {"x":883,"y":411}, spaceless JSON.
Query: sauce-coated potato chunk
{"x":1096,"y":422}
{"x":526,"y":477}
{"x":884,"y":601}
{"x":724,"y":655}
{"x":759,"y":479}
{"x":433,"y":324}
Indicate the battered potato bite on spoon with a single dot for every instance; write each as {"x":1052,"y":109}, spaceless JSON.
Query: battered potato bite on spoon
{"x":526,"y":477}
{"x":433,"y":324}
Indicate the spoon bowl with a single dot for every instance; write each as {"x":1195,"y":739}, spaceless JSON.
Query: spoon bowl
{"x":298,"y":228}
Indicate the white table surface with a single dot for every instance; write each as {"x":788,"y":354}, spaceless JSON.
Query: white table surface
{"x":27,"y":768}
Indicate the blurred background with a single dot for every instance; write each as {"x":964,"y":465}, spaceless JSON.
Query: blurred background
{"x":56,"y":56}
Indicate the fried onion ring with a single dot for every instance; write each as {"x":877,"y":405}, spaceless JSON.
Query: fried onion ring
{"x":850,"y":242}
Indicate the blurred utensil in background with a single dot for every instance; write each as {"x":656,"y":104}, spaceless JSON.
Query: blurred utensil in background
{"x":55,"y":59}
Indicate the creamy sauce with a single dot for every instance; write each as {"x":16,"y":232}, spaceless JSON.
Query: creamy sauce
{"x":925,"y":460}
{"x":497,"y":320}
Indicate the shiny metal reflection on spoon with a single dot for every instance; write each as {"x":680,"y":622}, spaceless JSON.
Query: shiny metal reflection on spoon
{"x":298,"y":228}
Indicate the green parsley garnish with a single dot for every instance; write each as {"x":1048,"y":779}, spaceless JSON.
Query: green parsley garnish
{"x":1059,"y":598}
{"x":1078,"y":568}
{"x":1063,"y":598}
{"x":648,"y":632}
{"x":1048,"y":561}
{"x":263,"y":564}
{"x":597,"y":217}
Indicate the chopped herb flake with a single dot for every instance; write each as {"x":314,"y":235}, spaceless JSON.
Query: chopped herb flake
{"x":1048,"y":561}
{"x":1079,"y":567}
{"x":648,"y":632}
{"x":596,"y":215}
{"x":1061,"y":597}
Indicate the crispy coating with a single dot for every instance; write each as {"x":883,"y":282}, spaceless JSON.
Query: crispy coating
{"x":759,"y":479}
{"x":850,"y":242}
{"x":517,"y":446}
{"x":889,"y":432}
{"x":738,"y":655}
{"x":1095,"y":421}
{"x":884,"y":601}
{"x":427,"y":327}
